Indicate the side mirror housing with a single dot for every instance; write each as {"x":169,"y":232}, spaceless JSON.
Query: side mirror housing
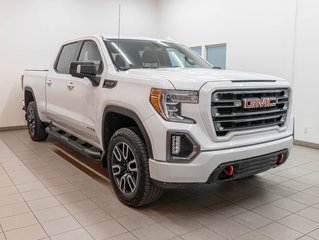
{"x":85,"y":69}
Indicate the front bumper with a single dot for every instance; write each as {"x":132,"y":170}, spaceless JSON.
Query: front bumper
{"x":201,"y":168}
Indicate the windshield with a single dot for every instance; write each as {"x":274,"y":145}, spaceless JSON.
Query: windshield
{"x":131,"y":53}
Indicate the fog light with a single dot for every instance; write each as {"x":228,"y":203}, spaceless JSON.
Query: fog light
{"x":176,"y":145}
{"x":181,"y":146}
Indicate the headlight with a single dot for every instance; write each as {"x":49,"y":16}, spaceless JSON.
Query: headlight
{"x":168,"y":103}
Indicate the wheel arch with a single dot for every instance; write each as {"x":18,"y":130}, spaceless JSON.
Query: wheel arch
{"x":28,"y":96}
{"x":130,"y":119}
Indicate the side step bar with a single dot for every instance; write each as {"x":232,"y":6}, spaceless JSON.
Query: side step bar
{"x":75,"y":143}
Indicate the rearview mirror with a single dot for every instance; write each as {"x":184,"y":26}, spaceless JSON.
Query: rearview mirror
{"x":85,"y":69}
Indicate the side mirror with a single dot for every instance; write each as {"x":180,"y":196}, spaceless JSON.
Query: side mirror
{"x":85,"y":69}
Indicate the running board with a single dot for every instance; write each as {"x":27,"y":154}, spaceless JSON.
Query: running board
{"x":76,"y":144}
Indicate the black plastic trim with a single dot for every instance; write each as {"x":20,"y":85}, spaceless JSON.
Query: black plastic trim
{"x":217,"y":171}
{"x":54,"y":132}
{"x":166,"y":185}
{"x":239,"y":81}
{"x":29,"y":89}
{"x":109,"y":83}
{"x":176,"y":159}
{"x":128,"y":113}
{"x":248,"y":167}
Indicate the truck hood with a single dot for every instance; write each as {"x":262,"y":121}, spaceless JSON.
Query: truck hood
{"x":194,"y":79}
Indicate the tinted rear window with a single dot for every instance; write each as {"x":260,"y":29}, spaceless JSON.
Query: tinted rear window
{"x":67,"y":55}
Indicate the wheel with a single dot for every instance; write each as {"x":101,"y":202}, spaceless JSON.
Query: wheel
{"x":35,"y":126}
{"x":129,"y":171}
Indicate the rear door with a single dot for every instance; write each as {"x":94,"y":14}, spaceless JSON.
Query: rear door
{"x":83,"y":96}
{"x":56,"y":84}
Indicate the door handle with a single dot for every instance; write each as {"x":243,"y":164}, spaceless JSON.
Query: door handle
{"x":70,"y":86}
{"x":49,"y":82}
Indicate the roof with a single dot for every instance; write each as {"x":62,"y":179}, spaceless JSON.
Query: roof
{"x":105,"y":37}
{"x":137,"y":38}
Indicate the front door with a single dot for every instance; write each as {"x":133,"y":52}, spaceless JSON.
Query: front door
{"x":82,"y":96}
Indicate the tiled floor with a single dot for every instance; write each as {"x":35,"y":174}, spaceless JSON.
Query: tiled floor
{"x":44,"y":196}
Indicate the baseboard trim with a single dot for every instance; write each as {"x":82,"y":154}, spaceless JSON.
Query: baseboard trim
{"x":306,"y":144}
{"x":4,"y":129}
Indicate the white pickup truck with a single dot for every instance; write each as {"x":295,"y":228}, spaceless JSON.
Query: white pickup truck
{"x":157,"y":115}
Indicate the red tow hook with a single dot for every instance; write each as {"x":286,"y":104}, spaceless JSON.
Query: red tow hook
{"x":280,"y":158}
{"x":229,"y":171}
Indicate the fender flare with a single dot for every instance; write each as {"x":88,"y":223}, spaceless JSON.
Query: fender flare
{"x":128,"y":113}
{"x":28,"y":89}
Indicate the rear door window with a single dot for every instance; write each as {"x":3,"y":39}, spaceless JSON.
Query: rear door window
{"x":67,"y":55}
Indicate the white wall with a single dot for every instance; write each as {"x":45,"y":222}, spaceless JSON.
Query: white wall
{"x":306,"y":72}
{"x":32,"y":31}
{"x":261,"y":37}
{"x":259,"y":34}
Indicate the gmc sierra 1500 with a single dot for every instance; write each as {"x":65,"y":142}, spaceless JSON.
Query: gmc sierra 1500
{"x":158,"y":115}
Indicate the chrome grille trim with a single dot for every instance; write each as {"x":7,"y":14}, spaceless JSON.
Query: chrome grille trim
{"x":217,"y":115}
{"x":229,"y":115}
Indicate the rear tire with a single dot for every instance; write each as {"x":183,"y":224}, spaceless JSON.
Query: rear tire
{"x":128,"y":169}
{"x":36,"y":127}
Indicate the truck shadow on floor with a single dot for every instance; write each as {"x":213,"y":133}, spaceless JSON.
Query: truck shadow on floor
{"x":227,"y":199}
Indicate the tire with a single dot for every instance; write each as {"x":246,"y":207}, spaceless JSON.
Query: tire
{"x":36,"y":128}
{"x":128,"y":164}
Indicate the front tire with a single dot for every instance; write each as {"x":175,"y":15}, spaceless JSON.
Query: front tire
{"x":129,"y":170}
{"x":36,"y":127}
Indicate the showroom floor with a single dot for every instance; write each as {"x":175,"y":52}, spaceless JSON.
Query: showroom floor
{"x":45,"y":193}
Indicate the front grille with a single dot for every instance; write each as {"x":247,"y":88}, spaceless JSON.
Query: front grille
{"x":231,"y":113}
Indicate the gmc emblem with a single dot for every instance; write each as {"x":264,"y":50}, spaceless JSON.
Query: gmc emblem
{"x":259,"y":102}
